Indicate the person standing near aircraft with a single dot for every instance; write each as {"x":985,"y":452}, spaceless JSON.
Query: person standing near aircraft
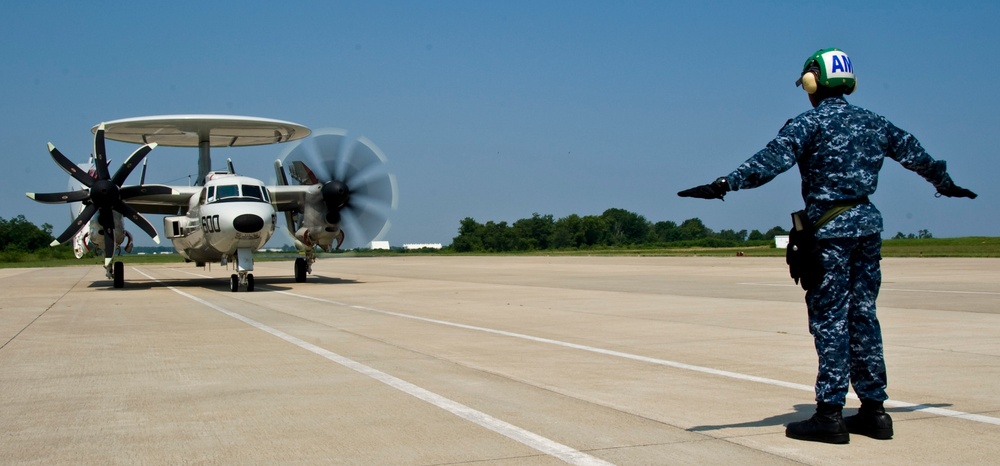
{"x":839,"y":149}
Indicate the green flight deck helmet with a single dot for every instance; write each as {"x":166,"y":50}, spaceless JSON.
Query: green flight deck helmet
{"x":828,"y":68}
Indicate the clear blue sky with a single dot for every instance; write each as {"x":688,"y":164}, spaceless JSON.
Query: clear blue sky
{"x":498,"y":110}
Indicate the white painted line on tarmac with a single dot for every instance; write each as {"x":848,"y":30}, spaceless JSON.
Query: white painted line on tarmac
{"x":943,"y":412}
{"x":661,"y":362}
{"x":530,"y":439}
{"x":901,"y":290}
{"x":906,"y":290}
{"x":679,"y":365}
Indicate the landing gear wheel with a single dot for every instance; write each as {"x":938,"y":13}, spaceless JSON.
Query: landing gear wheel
{"x":300,"y":270}
{"x":249,"y":282}
{"x":234,"y":283}
{"x":119,"y":275}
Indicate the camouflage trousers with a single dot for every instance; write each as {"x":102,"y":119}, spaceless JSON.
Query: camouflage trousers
{"x":842,"y":320}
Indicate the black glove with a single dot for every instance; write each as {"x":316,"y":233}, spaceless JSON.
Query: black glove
{"x":714,"y":190}
{"x":955,"y":191}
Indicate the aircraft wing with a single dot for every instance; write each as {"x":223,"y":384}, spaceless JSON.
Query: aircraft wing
{"x":160,"y":202}
{"x":289,"y":197}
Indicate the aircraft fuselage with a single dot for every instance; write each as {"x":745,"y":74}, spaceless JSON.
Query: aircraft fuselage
{"x":232,"y":213}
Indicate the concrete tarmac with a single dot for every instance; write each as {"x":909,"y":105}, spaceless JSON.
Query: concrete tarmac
{"x":426,"y":360}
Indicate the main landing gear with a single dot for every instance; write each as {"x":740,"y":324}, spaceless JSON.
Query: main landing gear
{"x":303,"y":265}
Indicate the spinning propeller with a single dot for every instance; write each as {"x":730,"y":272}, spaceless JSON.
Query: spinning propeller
{"x":103,"y":195}
{"x":356,"y":189}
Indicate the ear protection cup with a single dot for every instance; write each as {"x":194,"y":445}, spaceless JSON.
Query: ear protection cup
{"x":809,"y":82}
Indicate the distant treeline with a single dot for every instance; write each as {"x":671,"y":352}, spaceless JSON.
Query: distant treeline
{"x":18,"y":234}
{"x":613,"y":228}
{"x":21,"y":240}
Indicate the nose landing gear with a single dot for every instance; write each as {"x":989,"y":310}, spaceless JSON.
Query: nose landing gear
{"x":116,"y":272}
{"x":241,"y":279}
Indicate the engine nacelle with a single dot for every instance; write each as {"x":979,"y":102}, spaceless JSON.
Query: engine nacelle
{"x":314,"y":227}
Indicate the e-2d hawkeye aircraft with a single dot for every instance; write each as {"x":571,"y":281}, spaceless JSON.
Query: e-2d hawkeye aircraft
{"x":226,"y":217}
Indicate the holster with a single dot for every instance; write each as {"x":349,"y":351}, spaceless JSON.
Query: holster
{"x":803,"y":255}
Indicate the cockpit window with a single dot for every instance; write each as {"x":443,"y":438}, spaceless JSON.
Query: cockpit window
{"x":255,"y":191}
{"x":229,"y":190}
{"x":237,"y":193}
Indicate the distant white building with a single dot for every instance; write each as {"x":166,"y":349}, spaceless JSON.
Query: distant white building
{"x":781,"y":241}
{"x":380,"y":245}
{"x":422,"y":246}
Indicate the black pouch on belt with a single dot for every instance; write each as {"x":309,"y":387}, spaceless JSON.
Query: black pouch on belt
{"x":803,"y":254}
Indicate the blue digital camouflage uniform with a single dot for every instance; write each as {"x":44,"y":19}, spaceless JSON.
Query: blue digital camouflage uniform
{"x":839,"y":149}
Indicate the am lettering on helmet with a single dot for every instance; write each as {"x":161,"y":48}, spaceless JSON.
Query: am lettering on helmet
{"x":841,"y":63}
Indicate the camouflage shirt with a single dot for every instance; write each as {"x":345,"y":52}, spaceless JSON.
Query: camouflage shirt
{"x":839,"y":149}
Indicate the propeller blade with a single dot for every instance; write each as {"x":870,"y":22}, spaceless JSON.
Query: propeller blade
{"x":100,"y":154}
{"x":137,"y":218}
{"x":77,"y":224}
{"x":381,"y":191}
{"x":363,"y":158}
{"x":131,"y":162}
{"x":60,"y":198}
{"x":328,"y":153}
{"x":362,"y":225}
{"x":321,"y":153}
{"x":70,"y":167}
{"x":128,"y":192}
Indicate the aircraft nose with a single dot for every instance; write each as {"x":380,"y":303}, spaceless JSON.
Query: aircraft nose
{"x":248,"y":223}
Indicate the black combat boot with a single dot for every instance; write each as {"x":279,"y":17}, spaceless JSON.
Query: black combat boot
{"x":827,"y":425}
{"x":871,"y":421}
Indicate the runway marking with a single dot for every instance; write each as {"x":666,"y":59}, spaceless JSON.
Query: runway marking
{"x":528,"y":438}
{"x":902,"y":290}
{"x":662,"y":362}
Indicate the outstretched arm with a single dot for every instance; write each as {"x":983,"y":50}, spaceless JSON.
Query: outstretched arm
{"x":905,"y":149}
{"x":779,"y":155}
